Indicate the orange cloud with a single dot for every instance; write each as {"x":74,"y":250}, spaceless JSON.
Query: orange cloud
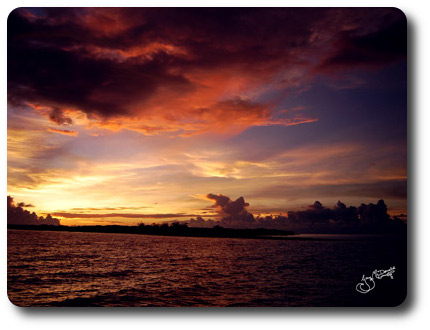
{"x":225,"y":117}
{"x":62,"y":131}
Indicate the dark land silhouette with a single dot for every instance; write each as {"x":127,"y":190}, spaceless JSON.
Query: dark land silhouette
{"x":174,"y":229}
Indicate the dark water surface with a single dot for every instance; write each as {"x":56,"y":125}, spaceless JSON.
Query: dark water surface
{"x":98,"y":269}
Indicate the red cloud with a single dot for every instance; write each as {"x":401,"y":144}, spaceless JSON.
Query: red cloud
{"x":185,"y":70}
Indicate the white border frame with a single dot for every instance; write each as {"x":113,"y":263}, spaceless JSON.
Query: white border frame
{"x":413,"y":314}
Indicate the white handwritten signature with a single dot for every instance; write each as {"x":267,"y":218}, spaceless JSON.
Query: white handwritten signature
{"x":368,"y":283}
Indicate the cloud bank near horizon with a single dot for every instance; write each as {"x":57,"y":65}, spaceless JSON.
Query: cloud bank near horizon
{"x":16,"y":215}
{"x":316,"y":218}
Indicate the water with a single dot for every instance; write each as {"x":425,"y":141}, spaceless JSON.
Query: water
{"x":99,"y":269}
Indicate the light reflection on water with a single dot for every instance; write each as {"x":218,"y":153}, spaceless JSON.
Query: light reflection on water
{"x":99,"y":269}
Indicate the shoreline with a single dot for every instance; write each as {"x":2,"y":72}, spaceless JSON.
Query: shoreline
{"x":206,"y":233}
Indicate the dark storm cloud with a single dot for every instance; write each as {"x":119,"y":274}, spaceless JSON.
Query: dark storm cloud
{"x":226,"y":206}
{"x":16,"y":215}
{"x":316,"y":218}
{"x":354,"y":49}
{"x":66,"y":79}
{"x":110,"y":62}
{"x":233,"y":212}
{"x":44,"y":67}
{"x":364,"y":218}
{"x":220,"y":200}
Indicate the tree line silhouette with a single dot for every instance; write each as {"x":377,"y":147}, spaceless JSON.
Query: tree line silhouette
{"x":173,"y":229}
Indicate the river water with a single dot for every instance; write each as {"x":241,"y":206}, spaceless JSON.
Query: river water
{"x":99,"y":269}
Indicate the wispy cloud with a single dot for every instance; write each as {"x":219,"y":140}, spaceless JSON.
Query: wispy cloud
{"x":62,"y":131}
{"x":120,"y":215}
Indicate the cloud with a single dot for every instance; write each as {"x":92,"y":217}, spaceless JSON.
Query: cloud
{"x":366,"y":218}
{"x":355,"y":49}
{"x":226,"y":206}
{"x":22,"y":204}
{"x":234,"y":212}
{"x":16,"y":215}
{"x":185,"y":71}
{"x":73,"y":215}
{"x":62,"y":131}
{"x":57,"y":116}
{"x":108,"y":208}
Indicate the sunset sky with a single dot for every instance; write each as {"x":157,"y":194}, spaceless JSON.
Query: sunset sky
{"x":126,"y":115}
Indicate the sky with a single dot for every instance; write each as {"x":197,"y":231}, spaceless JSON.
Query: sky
{"x":127,"y":115}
